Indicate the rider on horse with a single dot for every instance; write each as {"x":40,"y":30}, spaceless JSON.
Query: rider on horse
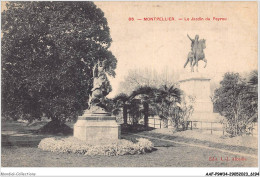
{"x":196,"y":53}
{"x":194,"y":43}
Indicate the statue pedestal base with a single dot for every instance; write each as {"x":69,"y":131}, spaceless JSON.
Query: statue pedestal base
{"x":96,"y":128}
{"x":198,"y":85}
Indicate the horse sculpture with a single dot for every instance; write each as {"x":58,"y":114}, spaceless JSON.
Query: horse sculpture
{"x":196,"y":54}
{"x":190,"y":59}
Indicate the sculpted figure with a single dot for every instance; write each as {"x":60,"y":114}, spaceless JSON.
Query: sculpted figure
{"x":194,"y":43}
{"x":197,"y":47}
{"x":101,"y":86}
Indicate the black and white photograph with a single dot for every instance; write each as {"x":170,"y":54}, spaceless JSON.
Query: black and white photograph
{"x":129,"y":84}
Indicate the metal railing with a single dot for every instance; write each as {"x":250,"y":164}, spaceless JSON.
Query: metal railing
{"x":211,"y":127}
{"x":157,"y":123}
{"x":153,"y":121}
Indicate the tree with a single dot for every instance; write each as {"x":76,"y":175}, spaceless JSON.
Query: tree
{"x":253,"y":80}
{"x":252,"y":95}
{"x":166,"y":101}
{"x":146,"y":100}
{"x":120,"y":101}
{"x":182,"y":112}
{"x":234,"y":101}
{"x":135,"y":104}
{"x":48,"y":52}
{"x":146,"y":96}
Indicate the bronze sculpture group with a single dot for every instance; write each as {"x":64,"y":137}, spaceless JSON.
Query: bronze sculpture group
{"x":101,"y":88}
{"x":196,"y":52}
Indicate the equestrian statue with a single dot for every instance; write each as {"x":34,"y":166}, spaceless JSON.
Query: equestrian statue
{"x":196,"y":54}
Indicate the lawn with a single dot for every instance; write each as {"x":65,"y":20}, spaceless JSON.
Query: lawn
{"x":19,"y":149}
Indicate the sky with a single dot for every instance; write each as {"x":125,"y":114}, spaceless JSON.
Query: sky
{"x":231,"y":45}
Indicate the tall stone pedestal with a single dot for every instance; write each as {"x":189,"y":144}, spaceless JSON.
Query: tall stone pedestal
{"x":97,"y":127}
{"x":198,"y":85}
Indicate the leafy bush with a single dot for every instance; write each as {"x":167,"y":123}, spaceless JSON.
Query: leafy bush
{"x":115,"y":148}
{"x":236,"y":100}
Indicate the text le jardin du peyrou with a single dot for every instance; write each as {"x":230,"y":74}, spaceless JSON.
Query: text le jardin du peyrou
{"x":177,"y":19}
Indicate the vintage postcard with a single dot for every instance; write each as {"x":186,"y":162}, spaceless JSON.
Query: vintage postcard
{"x":129,"y":84}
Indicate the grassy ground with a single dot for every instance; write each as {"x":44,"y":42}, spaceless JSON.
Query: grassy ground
{"x":243,"y":148}
{"x":215,"y":137}
{"x":19,"y":149}
{"x":174,"y":156}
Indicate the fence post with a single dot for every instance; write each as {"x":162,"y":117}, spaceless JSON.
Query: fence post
{"x":160,"y":123}
{"x":191,"y":125}
{"x":154,"y":122}
{"x":211,"y":127}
